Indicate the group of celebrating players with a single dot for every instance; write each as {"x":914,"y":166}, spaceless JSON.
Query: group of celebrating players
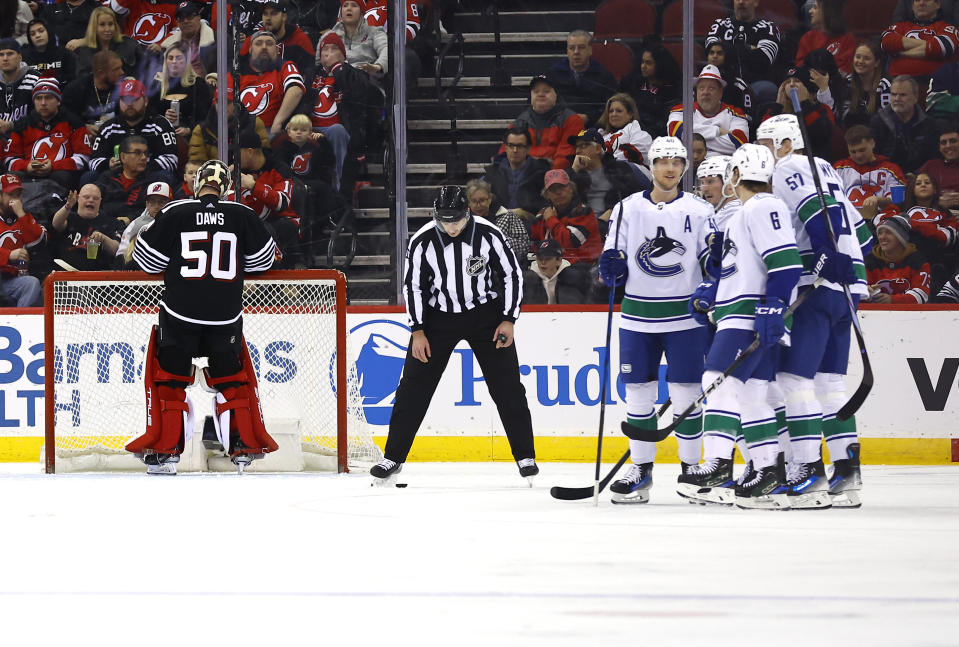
{"x":763,"y":237}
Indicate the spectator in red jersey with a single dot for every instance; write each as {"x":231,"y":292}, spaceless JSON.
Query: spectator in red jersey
{"x":46,"y":56}
{"x":918,"y":47}
{"x":867,"y":89}
{"x":375,"y":16}
{"x":867,"y":177}
{"x":828,"y":32}
{"x":195,"y":37}
{"x":103,"y":33}
{"x":176,"y":81}
{"x":934,"y":224}
{"x":50,"y":142}
{"x":903,"y":131}
{"x":895,"y":270}
{"x":949,"y":11}
{"x":818,"y":116}
{"x":123,"y":190}
{"x":337,"y":105}
{"x":292,"y":42}
{"x":549,"y":122}
{"x":147,"y":21}
{"x":945,"y":169}
{"x":19,"y":232}
{"x":567,"y":220}
{"x":270,"y":194}
{"x":84,"y":238}
{"x":269,"y":87}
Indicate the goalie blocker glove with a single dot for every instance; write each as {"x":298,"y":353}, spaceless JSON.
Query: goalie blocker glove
{"x":613,"y":267}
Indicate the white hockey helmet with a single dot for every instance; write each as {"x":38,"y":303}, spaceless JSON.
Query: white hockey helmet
{"x":755,"y":163}
{"x":213,"y":172}
{"x":664,"y":147}
{"x":713,"y":165}
{"x":779,"y":129}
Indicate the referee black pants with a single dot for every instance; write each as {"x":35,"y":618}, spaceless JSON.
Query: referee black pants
{"x":500,"y":367}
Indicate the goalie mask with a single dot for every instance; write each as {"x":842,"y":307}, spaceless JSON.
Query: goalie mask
{"x":755,"y":164}
{"x":779,"y":129}
{"x":214,"y":173}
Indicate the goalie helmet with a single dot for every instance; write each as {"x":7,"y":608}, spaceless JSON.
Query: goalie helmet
{"x":779,"y":129}
{"x":215,"y":173}
{"x":755,"y":164}
{"x":450,"y":204}
{"x":664,"y":147}
{"x":715,"y":165}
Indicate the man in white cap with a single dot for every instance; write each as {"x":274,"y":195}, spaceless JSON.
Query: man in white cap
{"x":158,"y":194}
{"x":724,"y":127}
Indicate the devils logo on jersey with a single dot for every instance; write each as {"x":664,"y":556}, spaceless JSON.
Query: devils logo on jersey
{"x":375,"y":17}
{"x":152,"y":28}
{"x":325,"y":106}
{"x":301,"y":163}
{"x":658,"y":247}
{"x":858,"y":194}
{"x":52,"y":147}
{"x":256,"y":98}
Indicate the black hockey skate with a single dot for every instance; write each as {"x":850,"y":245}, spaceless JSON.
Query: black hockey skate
{"x":635,"y":486}
{"x":808,"y":488}
{"x":846,"y":480}
{"x":764,"y":488}
{"x":709,"y":482}
{"x":384,"y":473}
{"x":160,"y":464}
{"x":528,"y":469}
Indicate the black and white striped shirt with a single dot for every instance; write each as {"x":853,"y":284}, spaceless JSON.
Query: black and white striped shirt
{"x":458,"y":274}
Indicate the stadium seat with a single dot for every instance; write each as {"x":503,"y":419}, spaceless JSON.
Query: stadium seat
{"x":614,"y":56}
{"x":676,"y":49}
{"x":785,"y":13}
{"x":868,"y":18}
{"x":624,"y":19}
{"x":704,"y":14}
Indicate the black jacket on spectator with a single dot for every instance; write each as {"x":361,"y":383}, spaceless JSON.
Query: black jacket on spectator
{"x":87,"y":102}
{"x":908,"y":145}
{"x":571,"y":284}
{"x":584,"y":92}
{"x":161,"y":141}
{"x":620,"y":174}
{"x":66,"y":23}
{"x":528,"y":182}
{"x":122,"y":202}
{"x":353,"y":87}
{"x":819,"y":124}
{"x":314,"y":162}
{"x":16,"y":97}
{"x":54,"y":62}
{"x":653,"y":102}
{"x":127,"y":49}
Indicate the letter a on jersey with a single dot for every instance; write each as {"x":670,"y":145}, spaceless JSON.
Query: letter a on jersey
{"x":656,"y":248}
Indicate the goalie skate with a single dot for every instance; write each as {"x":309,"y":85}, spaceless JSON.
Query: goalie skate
{"x":635,"y":486}
{"x":846,"y":480}
{"x":385,"y":473}
{"x":160,"y":464}
{"x":709,"y":482}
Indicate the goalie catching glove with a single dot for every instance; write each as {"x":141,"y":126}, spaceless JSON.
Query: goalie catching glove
{"x":613,"y":268}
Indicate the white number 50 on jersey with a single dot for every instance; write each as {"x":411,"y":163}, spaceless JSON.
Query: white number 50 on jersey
{"x":223,"y":248}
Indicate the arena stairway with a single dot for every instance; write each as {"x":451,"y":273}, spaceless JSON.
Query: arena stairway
{"x":533,"y":36}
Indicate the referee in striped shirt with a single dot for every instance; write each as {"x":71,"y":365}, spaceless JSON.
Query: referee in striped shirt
{"x":462,"y":282}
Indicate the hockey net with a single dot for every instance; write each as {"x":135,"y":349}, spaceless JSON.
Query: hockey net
{"x":294,"y":322}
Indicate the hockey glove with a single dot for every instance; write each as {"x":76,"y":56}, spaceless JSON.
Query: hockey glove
{"x":835,"y":267}
{"x":770,"y":324}
{"x":714,"y":262}
{"x":702,"y":301}
{"x":613,"y":268}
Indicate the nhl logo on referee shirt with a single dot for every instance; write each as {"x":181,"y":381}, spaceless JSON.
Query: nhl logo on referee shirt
{"x":475,"y":265}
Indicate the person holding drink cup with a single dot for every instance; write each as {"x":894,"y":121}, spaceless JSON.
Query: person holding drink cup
{"x":85,"y":238}
{"x":18,"y":233}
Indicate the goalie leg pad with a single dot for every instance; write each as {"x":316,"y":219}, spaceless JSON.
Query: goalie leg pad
{"x":169,"y":410}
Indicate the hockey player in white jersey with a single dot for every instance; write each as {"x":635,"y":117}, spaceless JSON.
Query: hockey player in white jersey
{"x":657,"y":246}
{"x":760,"y":269}
{"x":811,"y":370}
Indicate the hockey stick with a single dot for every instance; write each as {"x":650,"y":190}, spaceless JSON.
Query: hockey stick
{"x":64,"y":265}
{"x":857,"y":399}
{"x":659,"y":435}
{"x":605,"y":380}
{"x":577,"y":493}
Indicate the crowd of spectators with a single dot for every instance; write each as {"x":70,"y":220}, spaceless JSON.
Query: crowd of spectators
{"x":108,"y":108}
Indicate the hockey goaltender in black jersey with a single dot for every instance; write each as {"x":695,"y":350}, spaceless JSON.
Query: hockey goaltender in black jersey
{"x":203,"y":247}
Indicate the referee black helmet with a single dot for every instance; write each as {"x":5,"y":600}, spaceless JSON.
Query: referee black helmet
{"x":450,"y":204}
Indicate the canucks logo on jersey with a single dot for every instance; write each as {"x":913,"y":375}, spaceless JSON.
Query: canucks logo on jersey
{"x":729,"y":249}
{"x":656,"y":248}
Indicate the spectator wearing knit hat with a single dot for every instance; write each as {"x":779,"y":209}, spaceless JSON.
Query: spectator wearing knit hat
{"x":16,"y":84}
{"x":50,"y":142}
{"x":896,"y":271}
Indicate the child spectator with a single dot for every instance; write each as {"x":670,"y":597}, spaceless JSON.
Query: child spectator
{"x":185,"y":190}
{"x":549,"y":279}
{"x":895,"y":270}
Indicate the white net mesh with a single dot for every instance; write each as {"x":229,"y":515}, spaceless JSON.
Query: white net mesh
{"x":100,"y":332}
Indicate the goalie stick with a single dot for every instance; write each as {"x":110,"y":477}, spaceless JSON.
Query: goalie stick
{"x":862,"y":392}
{"x":577,"y":493}
{"x":659,"y":435}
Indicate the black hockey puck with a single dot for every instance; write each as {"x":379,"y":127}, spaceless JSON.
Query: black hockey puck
{"x":402,"y":484}
{"x":502,"y":338}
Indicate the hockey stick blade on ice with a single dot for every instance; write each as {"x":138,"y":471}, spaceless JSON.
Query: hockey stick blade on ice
{"x":578,"y":493}
{"x":865,"y":386}
{"x":659,"y":435}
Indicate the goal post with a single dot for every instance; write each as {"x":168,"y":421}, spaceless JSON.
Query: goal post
{"x":96,"y":328}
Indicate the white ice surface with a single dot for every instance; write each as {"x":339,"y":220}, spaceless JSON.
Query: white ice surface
{"x":467,"y":555}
